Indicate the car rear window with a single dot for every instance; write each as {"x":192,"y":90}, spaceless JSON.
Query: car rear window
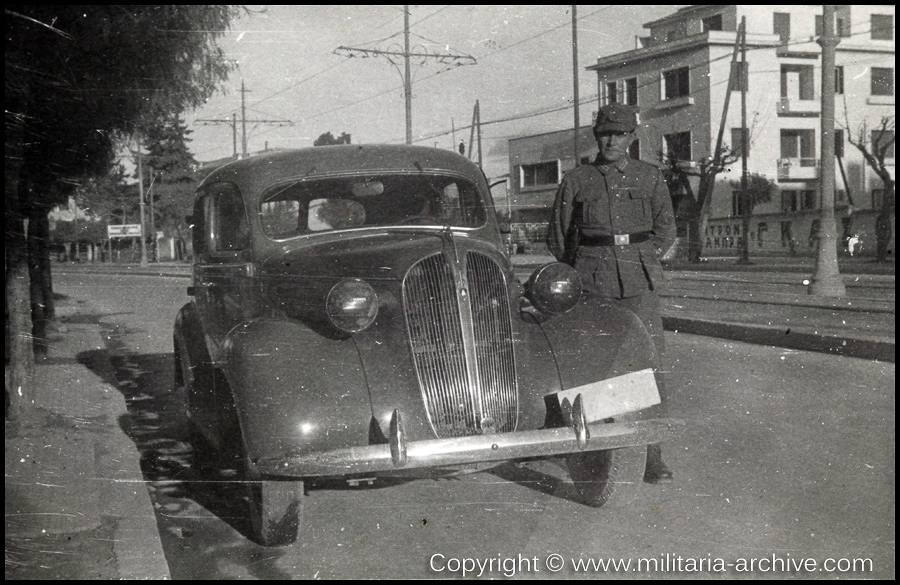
{"x":375,"y":201}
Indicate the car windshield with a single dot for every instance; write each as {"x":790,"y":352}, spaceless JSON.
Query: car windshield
{"x":374,"y":201}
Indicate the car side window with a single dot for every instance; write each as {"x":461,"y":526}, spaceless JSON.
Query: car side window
{"x":224,"y":220}
{"x":199,"y":223}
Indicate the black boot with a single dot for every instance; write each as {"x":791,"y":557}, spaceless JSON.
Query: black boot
{"x":657,"y":471}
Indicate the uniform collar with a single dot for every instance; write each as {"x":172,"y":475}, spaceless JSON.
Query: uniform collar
{"x":619,"y":165}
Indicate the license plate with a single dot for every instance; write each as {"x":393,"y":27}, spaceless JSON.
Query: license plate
{"x":615,"y":396}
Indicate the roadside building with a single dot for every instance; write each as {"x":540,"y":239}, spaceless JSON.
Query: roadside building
{"x":677,"y":80}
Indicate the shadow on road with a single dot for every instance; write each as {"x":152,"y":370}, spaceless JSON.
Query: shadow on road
{"x":158,"y":427}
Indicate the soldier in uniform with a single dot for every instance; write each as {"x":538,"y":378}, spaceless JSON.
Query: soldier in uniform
{"x":611,"y":221}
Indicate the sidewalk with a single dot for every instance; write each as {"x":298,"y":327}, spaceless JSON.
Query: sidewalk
{"x":76,"y":504}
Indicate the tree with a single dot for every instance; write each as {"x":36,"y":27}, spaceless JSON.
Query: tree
{"x":107,"y":196}
{"x":692,"y":207}
{"x":328,"y":139}
{"x":760,"y":189}
{"x":876,"y":145}
{"x":79,"y":78}
{"x":173,"y":170}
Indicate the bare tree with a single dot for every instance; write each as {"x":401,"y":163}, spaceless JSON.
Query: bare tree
{"x":876,"y":144}
{"x":692,"y":207}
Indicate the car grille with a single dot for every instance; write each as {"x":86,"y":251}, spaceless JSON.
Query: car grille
{"x":460,"y":333}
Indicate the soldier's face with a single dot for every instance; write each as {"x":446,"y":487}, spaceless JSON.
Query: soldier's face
{"x":614,"y":145}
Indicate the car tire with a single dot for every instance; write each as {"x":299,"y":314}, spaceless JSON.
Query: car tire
{"x":597,"y":475}
{"x":275,"y":508}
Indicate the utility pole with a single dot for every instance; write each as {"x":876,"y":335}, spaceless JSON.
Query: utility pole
{"x":153,"y":242}
{"x":826,"y":281}
{"x":706,"y":187}
{"x":140,"y":168}
{"x":575,"y":78}
{"x":394,"y":55}
{"x":745,"y":196}
{"x":472,"y":129}
{"x":244,"y":121}
{"x":407,"y":78}
{"x":478,"y":122}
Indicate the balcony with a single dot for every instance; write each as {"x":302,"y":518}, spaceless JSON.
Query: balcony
{"x":798,"y":169}
{"x":796,"y":107}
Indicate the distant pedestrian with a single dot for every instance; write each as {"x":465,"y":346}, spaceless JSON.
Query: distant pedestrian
{"x":611,"y":221}
{"x":853,"y":243}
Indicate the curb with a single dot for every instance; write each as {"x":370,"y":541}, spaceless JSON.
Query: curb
{"x":830,"y":344}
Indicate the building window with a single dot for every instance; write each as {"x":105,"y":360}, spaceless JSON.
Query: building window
{"x":792,"y":200}
{"x":781,"y":26}
{"x":839,"y":143}
{"x":612,"y":94}
{"x":736,"y":207}
{"x":737,"y":144}
{"x":676,"y":83}
{"x":839,"y":79}
{"x":631,"y":86}
{"x":799,"y":144}
{"x":883,"y":141}
{"x":798,"y":82}
{"x":739,"y":79}
{"x":539,"y":174}
{"x":788,"y":200}
{"x":882,"y":81}
{"x":678,"y":146}
{"x":882,"y":27}
{"x":678,"y":31}
{"x":712,"y":23}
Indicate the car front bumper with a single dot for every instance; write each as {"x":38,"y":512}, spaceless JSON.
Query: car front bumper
{"x":400,"y":455}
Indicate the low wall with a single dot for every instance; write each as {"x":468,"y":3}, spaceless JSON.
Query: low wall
{"x":794,"y":234}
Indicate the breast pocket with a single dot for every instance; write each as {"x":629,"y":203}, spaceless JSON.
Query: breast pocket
{"x":638,"y":206}
{"x":583,"y":209}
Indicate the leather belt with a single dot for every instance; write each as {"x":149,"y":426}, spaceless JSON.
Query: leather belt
{"x":616,"y":240}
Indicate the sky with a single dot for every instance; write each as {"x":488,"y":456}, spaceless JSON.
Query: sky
{"x":287,"y":60}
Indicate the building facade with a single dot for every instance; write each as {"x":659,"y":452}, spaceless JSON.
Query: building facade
{"x":678,"y":81}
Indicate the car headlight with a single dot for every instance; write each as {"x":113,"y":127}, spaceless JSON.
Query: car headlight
{"x":554,"y":288}
{"x":352,"y":305}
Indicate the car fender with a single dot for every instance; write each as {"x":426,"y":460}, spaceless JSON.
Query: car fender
{"x":596,"y":340}
{"x":187,"y":328}
{"x":294,"y":390}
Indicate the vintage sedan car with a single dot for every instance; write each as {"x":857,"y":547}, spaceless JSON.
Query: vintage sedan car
{"x":355,"y":315}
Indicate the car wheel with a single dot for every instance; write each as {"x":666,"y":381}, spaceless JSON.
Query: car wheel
{"x":276,"y":508}
{"x":599,"y":474}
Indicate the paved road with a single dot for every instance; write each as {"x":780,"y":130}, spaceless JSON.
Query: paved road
{"x":790,"y":457}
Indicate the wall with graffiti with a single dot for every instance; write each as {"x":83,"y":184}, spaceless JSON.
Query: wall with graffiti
{"x":793,"y":234}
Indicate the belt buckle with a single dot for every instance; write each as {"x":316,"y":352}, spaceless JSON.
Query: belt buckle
{"x":621,"y":239}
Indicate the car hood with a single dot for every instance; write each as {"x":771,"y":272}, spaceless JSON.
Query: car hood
{"x":299,"y":277}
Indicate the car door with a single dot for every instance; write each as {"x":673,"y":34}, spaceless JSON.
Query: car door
{"x":222,"y":290}
{"x":224,"y":275}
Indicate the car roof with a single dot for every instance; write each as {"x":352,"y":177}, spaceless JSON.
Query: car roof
{"x":255,"y":174}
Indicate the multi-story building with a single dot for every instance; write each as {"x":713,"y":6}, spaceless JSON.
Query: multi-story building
{"x":678,"y":81}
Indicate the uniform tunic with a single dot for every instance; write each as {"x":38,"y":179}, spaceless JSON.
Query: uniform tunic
{"x":626,"y":197}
